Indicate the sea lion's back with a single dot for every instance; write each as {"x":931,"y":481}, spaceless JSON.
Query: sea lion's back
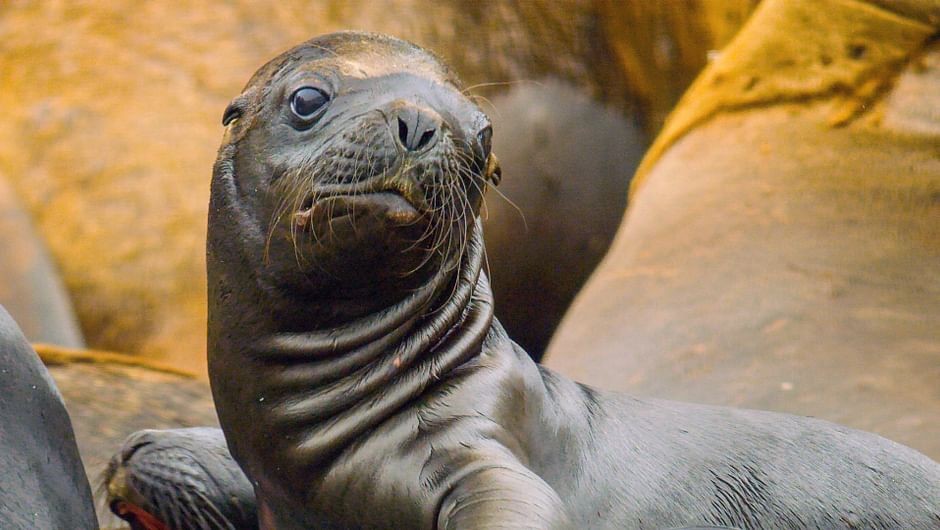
{"x":700,"y":464}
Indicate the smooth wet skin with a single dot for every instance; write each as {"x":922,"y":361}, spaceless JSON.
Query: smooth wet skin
{"x":185,"y":479}
{"x":42,"y":482}
{"x":772,"y":258}
{"x":362,"y":380}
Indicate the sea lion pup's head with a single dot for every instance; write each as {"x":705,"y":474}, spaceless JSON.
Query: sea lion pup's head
{"x":356,"y":166}
{"x":179,"y":479}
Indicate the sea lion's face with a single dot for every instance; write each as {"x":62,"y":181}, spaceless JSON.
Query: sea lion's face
{"x":362,"y":161}
{"x":178,"y":478}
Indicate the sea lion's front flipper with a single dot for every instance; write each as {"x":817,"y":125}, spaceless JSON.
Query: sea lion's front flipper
{"x":502,"y":495}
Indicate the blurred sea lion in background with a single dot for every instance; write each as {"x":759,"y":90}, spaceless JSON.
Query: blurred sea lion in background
{"x":30,"y":287}
{"x":546,"y":228}
{"x":782,"y":248}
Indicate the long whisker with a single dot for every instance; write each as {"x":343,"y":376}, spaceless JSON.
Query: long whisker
{"x":465,"y":91}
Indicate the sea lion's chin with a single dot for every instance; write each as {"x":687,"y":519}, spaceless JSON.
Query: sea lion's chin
{"x":360,"y":238}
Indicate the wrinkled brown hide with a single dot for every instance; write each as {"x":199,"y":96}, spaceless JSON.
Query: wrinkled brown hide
{"x":783,"y":247}
{"x":111,"y":118}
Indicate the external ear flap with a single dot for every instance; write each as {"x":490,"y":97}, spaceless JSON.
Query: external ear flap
{"x":237,"y":108}
{"x":232,"y":112}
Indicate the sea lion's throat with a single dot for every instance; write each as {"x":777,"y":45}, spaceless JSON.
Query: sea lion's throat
{"x":324,"y":389}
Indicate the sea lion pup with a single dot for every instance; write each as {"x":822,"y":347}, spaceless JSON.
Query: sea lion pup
{"x":179,"y":479}
{"x":362,"y":381}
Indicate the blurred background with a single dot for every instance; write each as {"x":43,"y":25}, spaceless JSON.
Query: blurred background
{"x":113,"y":116}
{"x":781,"y":249}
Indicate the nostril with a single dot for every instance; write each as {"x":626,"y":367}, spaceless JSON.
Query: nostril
{"x":402,"y":131}
{"x":413,"y":126}
{"x":425,"y":139}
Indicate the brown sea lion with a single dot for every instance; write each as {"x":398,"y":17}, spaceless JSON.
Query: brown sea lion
{"x":31,"y":290}
{"x":782,"y":250}
{"x":572,"y":160}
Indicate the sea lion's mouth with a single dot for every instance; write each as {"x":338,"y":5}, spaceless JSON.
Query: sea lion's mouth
{"x":329,"y":209}
{"x":398,"y":198}
{"x":125,"y":502}
{"x":137,"y":517}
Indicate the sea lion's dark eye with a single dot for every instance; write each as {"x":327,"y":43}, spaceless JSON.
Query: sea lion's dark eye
{"x":307,"y":101}
{"x":485,"y":137}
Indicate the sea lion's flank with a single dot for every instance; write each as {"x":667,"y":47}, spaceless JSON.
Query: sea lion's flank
{"x":363,"y":382}
{"x":821,"y":296}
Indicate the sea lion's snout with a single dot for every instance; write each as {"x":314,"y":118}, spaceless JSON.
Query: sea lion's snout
{"x":415,"y":126}
{"x":403,"y":146}
{"x":397,"y":163}
{"x":176,"y":479}
{"x":406,"y":160}
{"x":115,"y":477}
{"x":122,"y":498}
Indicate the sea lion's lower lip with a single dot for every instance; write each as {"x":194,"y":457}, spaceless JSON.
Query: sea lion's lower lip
{"x":389,"y":205}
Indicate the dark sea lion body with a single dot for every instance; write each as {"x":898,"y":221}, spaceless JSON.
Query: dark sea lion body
{"x":183,"y":479}
{"x":362,"y":381}
{"x":42,"y":482}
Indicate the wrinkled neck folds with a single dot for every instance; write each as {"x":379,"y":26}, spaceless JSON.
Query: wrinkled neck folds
{"x":326,"y":388}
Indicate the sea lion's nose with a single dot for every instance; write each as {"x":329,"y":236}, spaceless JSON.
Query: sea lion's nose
{"x":416,"y":127}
